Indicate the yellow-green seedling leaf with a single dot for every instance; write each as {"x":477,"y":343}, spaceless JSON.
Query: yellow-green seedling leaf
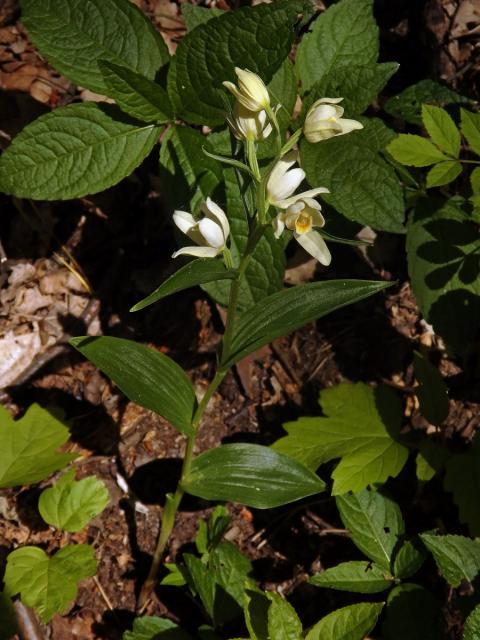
{"x":8,"y":620}
{"x":359,"y":576}
{"x":73,"y":36}
{"x":195,"y":15}
{"x":457,"y":557}
{"x":361,"y":426}
{"x":283,"y":622}
{"x":349,"y":623}
{"x":441,"y":129}
{"x":74,"y":151}
{"x":29,"y":446}
{"x":70,"y":504}
{"x":462,"y":479}
{"x":146,"y":376}
{"x":471,"y":630}
{"x":250,"y":474}
{"x":153,"y":628}
{"x":470,"y":127}
{"x":430,"y":459}
{"x":432,"y":393}
{"x":375,"y":523}
{"x":413,"y":612}
{"x":443,"y":173}
{"x":409,"y":558}
{"x":48,"y":584}
{"x":415,"y":151}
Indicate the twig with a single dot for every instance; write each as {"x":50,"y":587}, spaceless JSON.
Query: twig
{"x":102,"y":593}
{"x":28,"y":627}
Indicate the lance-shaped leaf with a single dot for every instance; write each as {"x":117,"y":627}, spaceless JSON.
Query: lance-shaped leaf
{"x":359,"y":576}
{"x":153,"y":628}
{"x":74,"y":151}
{"x":457,"y":557}
{"x":250,"y":474}
{"x":192,"y":274}
{"x":74,"y":35}
{"x":283,"y":622}
{"x":290,"y":309}
{"x":442,"y":129}
{"x":349,"y":623}
{"x":147,"y":377}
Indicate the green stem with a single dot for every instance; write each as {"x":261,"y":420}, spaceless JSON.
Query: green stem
{"x":273,"y":119}
{"x":470,"y":161}
{"x":252,"y":158}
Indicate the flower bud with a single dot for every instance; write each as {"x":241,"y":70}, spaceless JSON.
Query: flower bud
{"x":210,"y":233}
{"x":249,"y":125}
{"x":251,"y":91}
{"x":324,"y":120}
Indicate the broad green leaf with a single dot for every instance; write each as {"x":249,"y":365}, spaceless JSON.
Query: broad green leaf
{"x":457,"y":557}
{"x":470,"y":127}
{"x":175,"y":577}
{"x":344,"y":34}
{"x":443,"y":173}
{"x":73,"y":36}
{"x":283,"y":312}
{"x":283,"y":622}
{"x":430,"y":459}
{"x":361,"y":426}
{"x":153,"y":628}
{"x":70,"y":505}
{"x":48,"y":584}
{"x":374,"y":195}
{"x":471,"y":630}
{"x":210,"y":534}
{"x":442,"y":129}
{"x":432,"y":393}
{"x":147,"y":377}
{"x":414,"y":151}
{"x":375,"y":523}
{"x":231,"y":570}
{"x":475,"y":180}
{"x":29,"y":445}
{"x":256,"y":610}
{"x":135,"y":94}
{"x":201,"y":582}
{"x":74,"y":151}
{"x":409,"y":558}
{"x":252,"y":475}
{"x":192,"y":274}
{"x":444,"y":264}
{"x":413,"y":612}
{"x":195,"y":15}
{"x":463,"y":480}
{"x":256,"y":38}
{"x":359,"y":576}
{"x":8,"y":620}
{"x":349,"y":623}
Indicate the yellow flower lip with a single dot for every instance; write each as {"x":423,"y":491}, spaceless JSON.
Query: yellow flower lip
{"x":303,"y":223}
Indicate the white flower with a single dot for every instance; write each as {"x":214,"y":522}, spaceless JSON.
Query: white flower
{"x":251,"y":91}
{"x":300,"y":218}
{"x":324,"y":120}
{"x":283,"y":182}
{"x":249,"y":125}
{"x":210,"y":233}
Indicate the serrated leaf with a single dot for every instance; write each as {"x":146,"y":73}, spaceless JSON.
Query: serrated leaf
{"x":243,"y":473}
{"x":375,"y":523}
{"x":74,"y":151}
{"x":344,"y":34}
{"x":48,"y":584}
{"x":195,"y":15}
{"x":361,"y":427}
{"x":414,"y":151}
{"x":359,"y":576}
{"x":147,"y":377}
{"x":470,"y":127}
{"x":457,"y":557}
{"x":471,"y":631}
{"x":443,"y":173}
{"x":430,"y":459}
{"x":462,"y":479}
{"x":201,"y":582}
{"x":432,"y":393}
{"x":414,"y":613}
{"x":283,"y":622}
{"x":442,"y":129}
{"x":374,"y":195}
{"x":257,"y":38}
{"x":29,"y":445}
{"x":283,"y":312}
{"x":153,"y":628}
{"x":349,"y":623}
{"x":409,"y":558}
{"x":231,"y":570}
{"x":74,"y":36}
{"x":69,"y":505}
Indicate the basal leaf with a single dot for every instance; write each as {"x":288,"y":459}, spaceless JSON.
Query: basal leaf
{"x":74,"y":151}
{"x":359,"y":576}
{"x":443,"y":173}
{"x":283,"y":622}
{"x":413,"y":612}
{"x":153,"y":628}
{"x":470,"y":127}
{"x":462,"y":479}
{"x":442,"y":129}
{"x":432,"y":393}
{"x":146,"y":376}
{"x":471,"y":630}
{"x":252,"y":475}
{"x":195,"y":15}
{"x":415,"y":151}
{"x":457,"y":557}
{"x":349,"y":623}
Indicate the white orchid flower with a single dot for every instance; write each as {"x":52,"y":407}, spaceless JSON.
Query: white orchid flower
{"x":210,"y":233}
{"x":251,"y":91}
{"x":324,"y":120}
{"x":284,"y":180}
{"x":249,"y":125}
{"x":301,"y":217}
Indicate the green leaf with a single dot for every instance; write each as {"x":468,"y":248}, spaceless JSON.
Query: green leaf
{"x":70,"y":505}
{"x":443,"y":264}
{"x":430,"y":459}
{"x":457,"y":557}
{"x":443,"y":173}
{"x":345,"y":34}
{"x":362,"y":426}
{"x":349,"y":623}
{"x":192,"y":274}
{"x":442,"y":129}
{"x":432,"y":393}
{"x":231,"y":570}
{"x":147,"y":377}
{"x":471,"y":630}
{"x":359,"y":576}
{"x":413,"y":613}
{"x":256,"y":38}
{"x":195,"y":15}
{"x":283,"y":622}
{"x":74,"y":36}
{"x":74,"y":151}
{"x":243,"y":473}
{"x":363,"y":186}
{"x":201,"y":582}
{"x":48,"y":584}
{"x":409,"y":559}
{"x":375,"y":523}
{"x":290,"y":309}
{"x":475,"y":180}
{"x":28,"y":446}
{"x":470,"y":127}
{"x":463,"y":480}
{"x":135,"y":94}
{"x":256,"y":610}
{"x":414,"y":151}
{"x":175,"y":577}
{"x":8,"y":620}
{"x":153,"y":628}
